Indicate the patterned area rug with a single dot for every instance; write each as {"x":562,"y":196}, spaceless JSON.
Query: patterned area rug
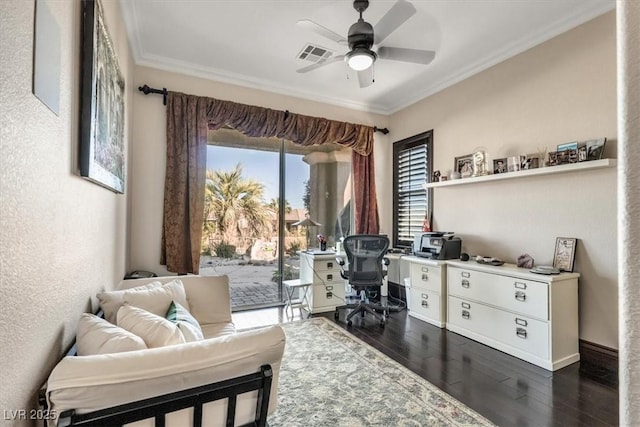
{"x":331,"y":378}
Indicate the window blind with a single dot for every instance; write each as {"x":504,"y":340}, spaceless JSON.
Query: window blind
{"x":413,"y":202}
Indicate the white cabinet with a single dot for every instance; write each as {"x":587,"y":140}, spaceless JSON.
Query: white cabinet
{"x":530,"y":316}
{"x":427,"y":294}
{"x":327,"y":286}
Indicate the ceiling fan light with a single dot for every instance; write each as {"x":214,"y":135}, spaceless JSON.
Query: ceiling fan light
{"x":360,"y":59}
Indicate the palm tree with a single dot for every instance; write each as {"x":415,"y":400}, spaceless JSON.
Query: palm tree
{"x":274,"y":205}
{"x":234,"y":205}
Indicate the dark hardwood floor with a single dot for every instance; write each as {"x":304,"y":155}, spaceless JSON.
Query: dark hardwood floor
{"x":505,"y":389}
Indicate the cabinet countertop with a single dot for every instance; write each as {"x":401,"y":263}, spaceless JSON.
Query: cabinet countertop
{"x":513,"y":270}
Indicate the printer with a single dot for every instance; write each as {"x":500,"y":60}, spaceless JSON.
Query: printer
{"x":437,"y":245}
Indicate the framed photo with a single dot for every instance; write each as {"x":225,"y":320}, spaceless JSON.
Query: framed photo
{"x":464,"y":165}
{"x":102,"y":115}
{"x":595,"y":148}
{"x":582,"y":152}
{"x":500,"y":165}
{"x":514,"y":163}
{"x":568,"y":146}
{"x":565,"y":253}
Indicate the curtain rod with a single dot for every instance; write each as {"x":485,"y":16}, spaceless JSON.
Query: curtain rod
{"x":164,"y":92}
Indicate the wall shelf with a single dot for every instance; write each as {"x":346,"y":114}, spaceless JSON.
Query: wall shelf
{"x":549,"y":170}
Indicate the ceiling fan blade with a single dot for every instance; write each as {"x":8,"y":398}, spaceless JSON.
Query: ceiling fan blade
{"x":320,"y":63}
{"x":416,"y":56}
{"x":365,"y":77}
{"x":396,"y":16}
{"x":323,"y":31}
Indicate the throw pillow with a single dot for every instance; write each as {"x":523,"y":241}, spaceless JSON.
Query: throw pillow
{"x":97,"y":336}
{"x":156,"y":331}
{"x":188,"y":325}
{"x":155,"y":299}
{"x":111,"y":301}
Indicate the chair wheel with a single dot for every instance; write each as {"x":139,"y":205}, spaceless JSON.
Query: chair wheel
{"x":349,"y":323}
{"x":386,"y":313}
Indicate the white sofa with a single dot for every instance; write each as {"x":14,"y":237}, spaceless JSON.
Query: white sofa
{"x":89,"y":383}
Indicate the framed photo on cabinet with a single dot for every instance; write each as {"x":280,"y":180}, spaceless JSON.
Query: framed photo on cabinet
{"x":565,"y":253}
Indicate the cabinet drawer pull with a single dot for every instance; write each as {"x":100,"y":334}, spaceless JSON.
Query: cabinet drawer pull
{"x":329,"y":288}
{"x":520,"y":285}
{"x":521,"y":322}
{"x":521,"y":296}
{"x":466,"y":305}
{"x":425,"y":277}
{"x":465,"y":314}
{"x":329,"y":276}
{"x":425,"y":304}
{"x":466,"y":274}
{"x":424,"y":296}
{"x":330,"y":265}
{"x":465,"y":284}
{"x":521,"y":333}
{"x":425,"y":269}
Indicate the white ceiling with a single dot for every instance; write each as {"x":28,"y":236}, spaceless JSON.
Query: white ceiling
{"x":255,"y":43}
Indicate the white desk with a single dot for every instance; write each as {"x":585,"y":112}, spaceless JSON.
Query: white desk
{"x":290,"y":286}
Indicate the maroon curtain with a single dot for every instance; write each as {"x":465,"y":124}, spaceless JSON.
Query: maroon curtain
{"x":184,"y":184}
{"x":189,"y":117}
{"x":366,"y":205}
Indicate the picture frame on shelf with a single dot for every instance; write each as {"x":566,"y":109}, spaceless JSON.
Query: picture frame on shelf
{"x":565,"y":253}
{"x":582,"y":152}
{"x":567,"y":146}
{"x":553,"y":158}
{"x":514,"y":163}
{"x":102,"y":107}
{"x":595,"y":148}
{"x":464,"y":165}
{"x":500,"y":165}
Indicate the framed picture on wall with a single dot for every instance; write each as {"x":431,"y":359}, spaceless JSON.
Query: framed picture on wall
{"x":102,"y":115}
{"x":565,"y":253}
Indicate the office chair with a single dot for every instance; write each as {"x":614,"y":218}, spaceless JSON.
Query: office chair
{"x":365,"y":254}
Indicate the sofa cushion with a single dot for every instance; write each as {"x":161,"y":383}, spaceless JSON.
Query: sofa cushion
{"x":154,"y":299}
{"x":156,"y":331}
{"x":97,"y":336}
{"x":186,"y":322}
{"x":214,"y":330}
{"x":111,"y":301}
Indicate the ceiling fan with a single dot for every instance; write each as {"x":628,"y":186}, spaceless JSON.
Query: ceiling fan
{"x":363,"y":36}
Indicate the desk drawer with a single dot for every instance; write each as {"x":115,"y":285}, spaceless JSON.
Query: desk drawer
{"x":521,"y":332}
{"x":331,"y":294}
{"x":426,"y":277}
{"x":425,"y":304}
{"x":518,"y":295}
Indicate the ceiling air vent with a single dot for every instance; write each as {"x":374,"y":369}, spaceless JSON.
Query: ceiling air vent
{"x":314,"y":53}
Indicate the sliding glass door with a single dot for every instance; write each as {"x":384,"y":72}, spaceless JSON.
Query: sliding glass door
{"x":265,"y":201}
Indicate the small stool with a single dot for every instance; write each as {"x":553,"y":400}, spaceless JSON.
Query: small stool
{"x":302,"y":302}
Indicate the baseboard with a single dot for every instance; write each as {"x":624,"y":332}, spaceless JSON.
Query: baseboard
{"x":599,"y":362}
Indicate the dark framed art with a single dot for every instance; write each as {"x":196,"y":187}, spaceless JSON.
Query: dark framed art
{"x":565,"y":253}
{"x":500,"y":165}
{"x":102,"y":115}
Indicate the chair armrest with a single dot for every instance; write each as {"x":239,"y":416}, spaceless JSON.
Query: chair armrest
{"x":340,"y":261}
{"x":89,"y":383}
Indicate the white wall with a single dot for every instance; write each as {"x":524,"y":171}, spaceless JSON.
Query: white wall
{"x":628,"y":20}
{"x":62,"y":237}
{"x":149,"y":151}
{"x":561,"y":91}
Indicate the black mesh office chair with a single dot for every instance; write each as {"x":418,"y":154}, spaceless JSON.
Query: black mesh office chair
{"x":365,"y":254}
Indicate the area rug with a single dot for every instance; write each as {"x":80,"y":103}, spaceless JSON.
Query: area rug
{"x":329,"y":377}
